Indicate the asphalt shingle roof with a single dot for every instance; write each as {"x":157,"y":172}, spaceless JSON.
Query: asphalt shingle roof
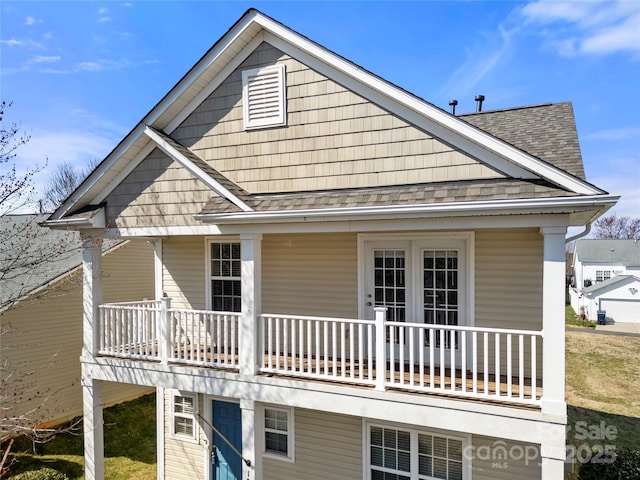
{"x":430,"y":193}
{"x":547,"y":132}
{"x":612,"y":252}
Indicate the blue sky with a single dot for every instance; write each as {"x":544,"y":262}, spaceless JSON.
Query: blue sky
{"x":82,"y":74}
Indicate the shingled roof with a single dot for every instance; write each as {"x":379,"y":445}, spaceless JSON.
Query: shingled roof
{"x":546,"y":131}
{"x":429,"y":193}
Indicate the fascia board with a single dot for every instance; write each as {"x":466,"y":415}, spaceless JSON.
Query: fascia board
{"x":495,"y":207}
{"x":195,"y":170}
{"x":476,"y":142}
{"x":214,"y":84}
{"x":96,"y":221}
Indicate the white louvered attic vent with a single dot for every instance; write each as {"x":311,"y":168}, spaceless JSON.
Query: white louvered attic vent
{"x":263,"y":95}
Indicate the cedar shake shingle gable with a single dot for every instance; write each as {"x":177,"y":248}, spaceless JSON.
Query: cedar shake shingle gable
{"x":231,"y":186}
{"x":547,"y":132}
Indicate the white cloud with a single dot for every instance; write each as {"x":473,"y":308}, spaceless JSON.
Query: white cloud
{"x":588,"y":28}
{"x":614,"y":134}
{"x":482,"y":59}
{"x":52,"y":148}
{"x":45,"y":59}
{"x":13,"y":42}
{"x":31,"y":21}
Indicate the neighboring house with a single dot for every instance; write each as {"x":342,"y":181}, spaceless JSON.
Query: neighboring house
{"x":41,"y":316}
{"x":356,"y":284}
{"x":606,"y":276}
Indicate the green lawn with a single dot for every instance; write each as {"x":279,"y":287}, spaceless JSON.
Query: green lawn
{"x":130,"y":445}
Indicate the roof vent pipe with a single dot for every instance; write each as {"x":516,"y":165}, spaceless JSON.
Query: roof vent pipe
{"x":452,"y":104}
{"x":479,"y":100}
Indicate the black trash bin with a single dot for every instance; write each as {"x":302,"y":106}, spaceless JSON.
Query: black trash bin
{"x":602,"y":317}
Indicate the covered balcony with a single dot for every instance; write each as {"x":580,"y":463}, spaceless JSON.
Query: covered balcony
{"x":487,"y":364}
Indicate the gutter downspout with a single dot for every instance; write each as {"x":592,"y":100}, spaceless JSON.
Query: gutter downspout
{"x":586,"y":231}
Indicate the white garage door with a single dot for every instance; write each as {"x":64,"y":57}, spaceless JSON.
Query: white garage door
{"x":622,"y":310}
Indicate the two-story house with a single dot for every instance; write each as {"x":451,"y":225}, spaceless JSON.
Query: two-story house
{"x":352,"y":283}
{"x":606,"y":279}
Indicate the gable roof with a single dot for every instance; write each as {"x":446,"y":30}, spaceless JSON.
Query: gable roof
{"x":611,"y":252}
{"x":618,"y":279}
{"x":234,"y":47}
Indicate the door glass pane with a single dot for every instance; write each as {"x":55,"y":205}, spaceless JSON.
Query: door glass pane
{"x":441,"y":292}
{"x":389,"y":274}
{"x":390,"y":283}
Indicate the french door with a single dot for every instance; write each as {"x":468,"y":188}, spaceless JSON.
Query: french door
{"x":419,"y":280}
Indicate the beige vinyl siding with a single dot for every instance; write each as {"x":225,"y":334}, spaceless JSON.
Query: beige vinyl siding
{"x":509,"y":278}
{"x":183,"y":274}
{"x":159,"y":192}
{"x":310,"y":274}
{"x":47,"y":335}
{"x":328,"y":446}
{"x":184,"y":459}
{"x":489,"y":462}
{"x":509,"y":288}
{"x":334,"y":138}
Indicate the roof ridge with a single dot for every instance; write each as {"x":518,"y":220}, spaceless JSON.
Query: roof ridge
{"x":511,"y":109}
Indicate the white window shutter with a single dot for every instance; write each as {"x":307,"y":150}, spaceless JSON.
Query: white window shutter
{"x":264,"y":99}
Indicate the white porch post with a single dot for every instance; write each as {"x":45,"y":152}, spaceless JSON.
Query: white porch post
{"x":93,"y":426}
{"x":251,"y":271}
{"x":248,"y":410}
{"x":91,"y":293}
{"x":554,"y":453}
{"x":381,"y":347}
{"x":553,"y":291}
{"x":165,"y":330}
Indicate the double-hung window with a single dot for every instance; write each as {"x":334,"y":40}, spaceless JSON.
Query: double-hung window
{"x":225,"y":277}
{"x":602,"y":275}
{"x":405,"y":454}
{"x":278,"y":432}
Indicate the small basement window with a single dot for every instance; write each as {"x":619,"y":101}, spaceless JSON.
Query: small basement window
{"x":263,"y":97}
{"x":278,"y":432}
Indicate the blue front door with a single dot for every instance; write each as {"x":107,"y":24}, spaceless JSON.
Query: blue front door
{"x":227,"y":465}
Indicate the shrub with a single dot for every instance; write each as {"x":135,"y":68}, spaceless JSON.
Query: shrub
{"x":42,"y":474}
{"x":625,"y":467}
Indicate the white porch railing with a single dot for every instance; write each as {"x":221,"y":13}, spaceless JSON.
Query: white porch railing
{"x":475,"y":362}
{"x":154,"y":331}
{"x":488,"y":363}
{"x":130,"y":330}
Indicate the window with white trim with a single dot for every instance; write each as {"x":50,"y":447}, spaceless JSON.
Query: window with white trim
{"x":602,"y":275}
{"x":225,"y":277}
{"x":264,"y":97}
{"x":405,"y":454}
{"x":184,"y":421}
{"x":278,"y":432}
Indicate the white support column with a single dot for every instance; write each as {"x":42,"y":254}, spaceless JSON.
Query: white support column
{"x":248,"y":439}
{"x":93,"y":426}
{"x":157,"y":267}
{"x":553,"y":452}
{"x":165,"y":331}
{"x":160,"y":426}
{"x":381,"y":347}
{"x":251,"y":271}
{"x":553,"y":292}
{"x":91,"y":293}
